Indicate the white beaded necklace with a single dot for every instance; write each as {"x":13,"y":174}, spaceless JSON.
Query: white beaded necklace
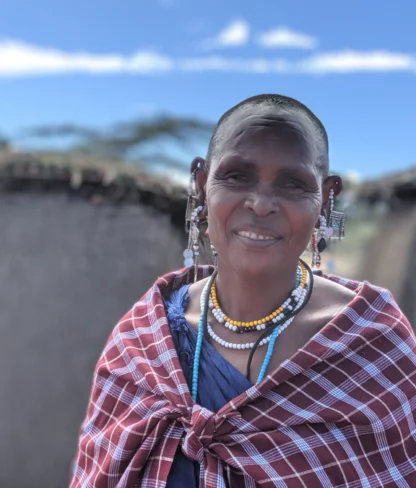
{"x":232,"y":345}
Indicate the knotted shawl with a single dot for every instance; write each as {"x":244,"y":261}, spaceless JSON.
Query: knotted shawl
{"x":339,"y":413}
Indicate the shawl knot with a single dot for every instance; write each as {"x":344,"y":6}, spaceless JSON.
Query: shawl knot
{"x":200,"y":429}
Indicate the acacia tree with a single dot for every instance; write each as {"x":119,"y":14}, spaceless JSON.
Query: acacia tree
{"x":162,"y":140}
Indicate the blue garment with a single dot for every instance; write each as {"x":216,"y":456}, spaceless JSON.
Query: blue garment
{"x":219,"y":381}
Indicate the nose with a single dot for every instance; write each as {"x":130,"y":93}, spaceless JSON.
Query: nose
{"x":262,"y":203}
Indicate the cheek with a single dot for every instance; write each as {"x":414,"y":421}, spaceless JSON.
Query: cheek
{"x":304,"y":215}
{"x":215,"y":211}
{"x":221,"y":204}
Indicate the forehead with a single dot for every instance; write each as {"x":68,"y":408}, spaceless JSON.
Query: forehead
{"x":256,"y":130}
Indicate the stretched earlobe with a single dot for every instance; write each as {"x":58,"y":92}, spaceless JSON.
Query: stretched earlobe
{"x":335,"y":184}
{"x":197,"y":164}
{"x":199,"y":175}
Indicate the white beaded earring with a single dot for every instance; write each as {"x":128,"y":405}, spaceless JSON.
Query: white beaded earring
{"x":213,"y":250}
{"x":191,"y":254}
{"x":336,"y":220}
{"x":332,"y":228}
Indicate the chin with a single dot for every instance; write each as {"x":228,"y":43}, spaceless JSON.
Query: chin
{"x":256,"y":265}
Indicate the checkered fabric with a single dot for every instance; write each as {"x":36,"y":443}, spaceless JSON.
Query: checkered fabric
{"x":340,"y":413}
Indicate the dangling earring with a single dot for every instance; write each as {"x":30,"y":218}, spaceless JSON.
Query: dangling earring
{"x":316,"y":255}
{"x":213,"y":250}
{"x":333,"y":229}
{"x":215,"y":254}
{"x":336,"y":220}
{"x":319,"y":243}
{"x":190,"y":206}
{"x":191,"y":254}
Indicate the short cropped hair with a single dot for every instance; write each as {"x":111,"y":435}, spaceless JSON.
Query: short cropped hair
{"x":282,"y":104}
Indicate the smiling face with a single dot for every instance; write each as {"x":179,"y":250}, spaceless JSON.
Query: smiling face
{"x":264,"y":191}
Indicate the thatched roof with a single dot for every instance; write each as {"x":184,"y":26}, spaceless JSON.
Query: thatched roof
{"x":399,"y":186}
{"x":96,"y":180}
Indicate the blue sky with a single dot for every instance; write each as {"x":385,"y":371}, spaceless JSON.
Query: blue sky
{"x":99,"y":62}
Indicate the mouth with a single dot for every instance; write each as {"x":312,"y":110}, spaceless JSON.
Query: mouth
{"x":257,"y":238}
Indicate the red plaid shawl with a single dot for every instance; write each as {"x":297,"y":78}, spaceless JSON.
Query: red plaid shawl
{"x":339,"y":413}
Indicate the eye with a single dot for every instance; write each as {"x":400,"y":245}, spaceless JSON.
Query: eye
{"x":236,"y":177}
{"x":293,"y":184}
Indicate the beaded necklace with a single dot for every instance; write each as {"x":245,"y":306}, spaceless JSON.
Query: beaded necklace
{"x":278,"y":329}
{"x":276,"y":316}
{"x":202,"y":319}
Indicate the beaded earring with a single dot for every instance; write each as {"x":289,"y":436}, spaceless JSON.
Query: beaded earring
{"x":331,"y":229}
{"x":213,"y":250}
{"x":215,"y":254}
{"x":336,"y":220}
{"x":316,"y":255}
{"x":191,"y":254}
{"x":319,"y":241}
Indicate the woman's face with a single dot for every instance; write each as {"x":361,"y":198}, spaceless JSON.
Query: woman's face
{"x":264,"y":193}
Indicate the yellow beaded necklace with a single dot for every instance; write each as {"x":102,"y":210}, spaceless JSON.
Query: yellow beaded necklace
{"x":264,"y":320}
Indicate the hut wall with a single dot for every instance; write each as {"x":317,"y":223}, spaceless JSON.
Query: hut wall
{"x":389,"y":258}
{"x":68,"y":271}
{"x":408,"y":293}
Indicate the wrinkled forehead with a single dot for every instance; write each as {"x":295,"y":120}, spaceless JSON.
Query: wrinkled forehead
{"x":290,"y":129}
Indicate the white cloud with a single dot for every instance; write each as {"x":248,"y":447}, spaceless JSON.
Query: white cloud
{"x":239,"y":65}
{"x":237,"y":33}
{"x":357,"y":61}
{"x":21,"y":59}
{"x":283,"y":37}
{"x":148,"y":62}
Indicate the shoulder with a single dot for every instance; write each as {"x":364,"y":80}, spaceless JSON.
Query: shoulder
{"x":374,"y":305}
{"x":193,"y":309}
{"x":137,"y":330}
{"x":140,"y":348}
{"x":331,"y":294}
{"x":146,"y":319}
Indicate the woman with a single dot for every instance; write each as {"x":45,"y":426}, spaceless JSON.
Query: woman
{"x":256,"y":372}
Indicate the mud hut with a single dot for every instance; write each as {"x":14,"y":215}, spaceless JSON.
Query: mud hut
{"x":80,"y":243}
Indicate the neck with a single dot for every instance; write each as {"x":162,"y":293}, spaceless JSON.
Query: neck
{"x":248,"y":298}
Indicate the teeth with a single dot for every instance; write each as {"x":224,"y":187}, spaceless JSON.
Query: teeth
{"x":252,"y":235}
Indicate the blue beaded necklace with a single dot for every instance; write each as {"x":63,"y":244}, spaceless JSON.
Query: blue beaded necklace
{"x":202,"y":319}
{"x":275,"y":334}
{"x":200,"y":337}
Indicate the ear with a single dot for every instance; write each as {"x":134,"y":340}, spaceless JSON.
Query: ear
{"x":332,"y":182}
{"x":200,"y":169}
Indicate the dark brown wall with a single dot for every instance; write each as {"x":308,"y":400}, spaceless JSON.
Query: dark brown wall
{"x":68,"y":272}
